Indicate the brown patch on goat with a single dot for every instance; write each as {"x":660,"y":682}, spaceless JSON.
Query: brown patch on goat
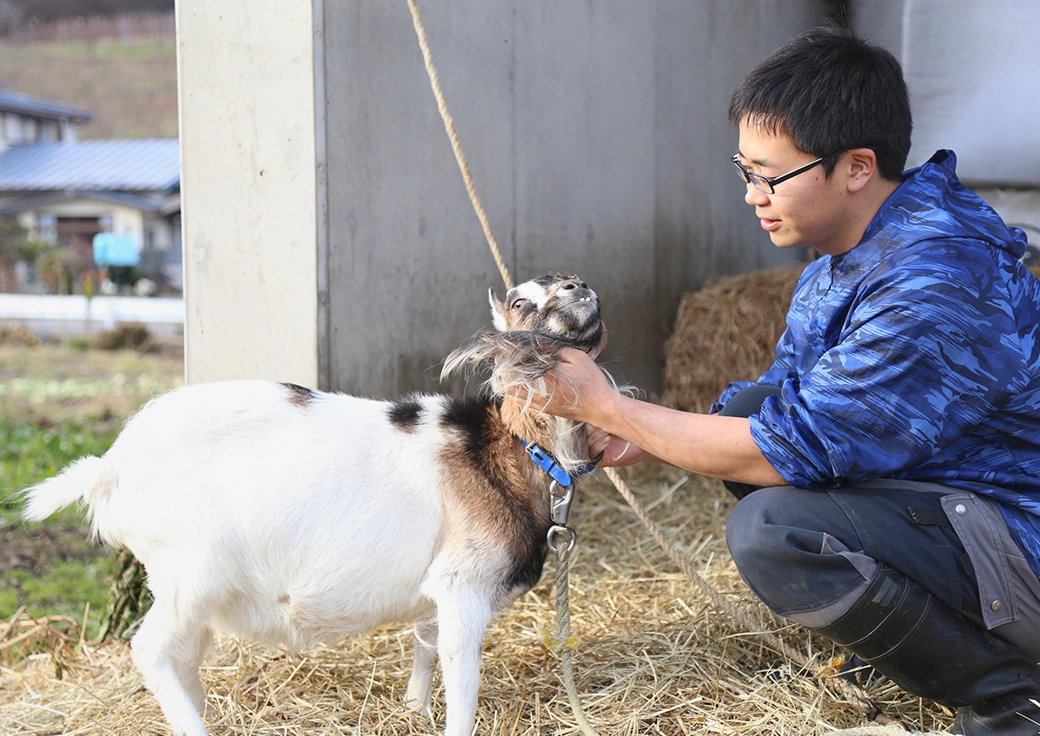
{"x":300,"y":395}
{"x":502,"y":495}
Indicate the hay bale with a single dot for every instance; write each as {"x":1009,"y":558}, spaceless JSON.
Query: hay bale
{"x":725,"y":332}
{"x":728,"y":331}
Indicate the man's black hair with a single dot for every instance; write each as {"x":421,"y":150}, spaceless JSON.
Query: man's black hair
{"x":830,"y":91}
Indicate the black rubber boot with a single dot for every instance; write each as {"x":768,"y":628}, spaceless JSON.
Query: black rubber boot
{"x":934,"y":652}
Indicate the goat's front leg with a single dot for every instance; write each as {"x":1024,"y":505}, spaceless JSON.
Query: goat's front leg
{"x":420,"y":685}
{"x":463,"y":614}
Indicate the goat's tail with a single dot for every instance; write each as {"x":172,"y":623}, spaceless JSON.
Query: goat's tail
{"x":84,"y":480}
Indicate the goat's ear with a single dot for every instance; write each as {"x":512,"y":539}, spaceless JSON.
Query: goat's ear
{"x":498,"y":312}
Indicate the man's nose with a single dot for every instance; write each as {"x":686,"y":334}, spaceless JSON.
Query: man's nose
{"x":754,"y":196}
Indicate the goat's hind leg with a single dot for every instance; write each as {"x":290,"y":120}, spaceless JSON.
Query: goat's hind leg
{"x":168,"y":651}
{"x":195,"y":648}
{"x":420,"y":684}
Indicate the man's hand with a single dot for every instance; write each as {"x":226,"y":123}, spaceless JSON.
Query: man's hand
{"x":574,"y":390}
{"x":716,"y":446}
{"x":617,"y":453}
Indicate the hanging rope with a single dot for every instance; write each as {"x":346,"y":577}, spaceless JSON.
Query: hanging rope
{"x":564,"y":645}
{"x":456,"y":146}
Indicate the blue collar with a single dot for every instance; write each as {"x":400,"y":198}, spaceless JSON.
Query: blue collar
{"x":548,"y":463}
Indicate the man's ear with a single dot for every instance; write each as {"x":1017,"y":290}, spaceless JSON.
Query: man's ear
{"x":862,"y":167}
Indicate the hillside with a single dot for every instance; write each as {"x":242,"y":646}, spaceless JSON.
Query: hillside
{"x":20,"y":14}
{"x":124,"y":73}
{"x":130,"y":88}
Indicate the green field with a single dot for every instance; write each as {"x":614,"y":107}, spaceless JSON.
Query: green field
{"x":58,"y":404}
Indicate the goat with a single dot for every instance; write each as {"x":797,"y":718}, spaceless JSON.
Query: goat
{"x":292,"y":517}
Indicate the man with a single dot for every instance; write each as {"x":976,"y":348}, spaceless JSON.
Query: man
{"x":888,"y":462}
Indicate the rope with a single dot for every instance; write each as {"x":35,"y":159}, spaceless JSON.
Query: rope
{"x":878,"y":731}
{"x":848,"y":691}
{"x":564,"y":644}
{"x":565,"y":647}
{"x":456,"y":145}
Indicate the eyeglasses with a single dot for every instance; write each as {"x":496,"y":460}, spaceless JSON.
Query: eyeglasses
{"x":765,"y":183}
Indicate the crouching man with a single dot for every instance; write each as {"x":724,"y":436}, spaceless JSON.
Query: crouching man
{"x":888,"y":462}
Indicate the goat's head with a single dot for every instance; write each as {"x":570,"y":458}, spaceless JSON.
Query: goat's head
{"x":536,"y":320}
{"x":554,"y":306}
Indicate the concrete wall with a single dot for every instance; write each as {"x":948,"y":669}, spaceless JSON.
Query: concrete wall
{"x":65,"y":316}
{"x":328,"y":236}
{"x":970,"y":69}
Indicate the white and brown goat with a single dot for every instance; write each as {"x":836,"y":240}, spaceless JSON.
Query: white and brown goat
{"x":290,"y":516}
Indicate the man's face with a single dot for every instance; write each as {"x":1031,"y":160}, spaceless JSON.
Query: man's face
{"x":807,"y":211}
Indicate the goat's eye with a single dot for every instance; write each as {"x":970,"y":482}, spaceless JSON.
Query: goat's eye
{"x":518,"y":303}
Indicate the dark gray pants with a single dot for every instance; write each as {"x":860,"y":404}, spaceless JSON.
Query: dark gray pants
{"x":809,"y":554}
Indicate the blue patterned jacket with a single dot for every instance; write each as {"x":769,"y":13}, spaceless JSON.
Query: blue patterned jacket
{"x":915,"y":355}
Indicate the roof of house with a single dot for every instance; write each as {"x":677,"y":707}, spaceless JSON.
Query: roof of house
{"x":156,"y":203}
{"x":37,"y":107}
{"x":113,"y":165}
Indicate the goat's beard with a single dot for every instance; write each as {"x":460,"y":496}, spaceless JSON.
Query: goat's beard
{"x":518,"y":358}
{"x":521,"y":359}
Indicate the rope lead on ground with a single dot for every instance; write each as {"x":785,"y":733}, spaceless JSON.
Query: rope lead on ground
{"x":563,"y":644}
{"x":848,"y":691}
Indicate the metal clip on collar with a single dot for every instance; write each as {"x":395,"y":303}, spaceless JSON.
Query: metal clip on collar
{"x":561,"y":509}
{"x":561,"y":501}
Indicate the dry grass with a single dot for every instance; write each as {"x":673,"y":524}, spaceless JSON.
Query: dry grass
{"x":653,"y":657}
{"x":60,"y":383}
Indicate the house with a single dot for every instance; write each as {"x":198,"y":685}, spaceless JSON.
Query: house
{"x":68,"y":192}
{"x":27,"y":120}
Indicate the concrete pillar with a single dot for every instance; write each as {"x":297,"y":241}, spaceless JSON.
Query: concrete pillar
{"x":246,"y":73}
